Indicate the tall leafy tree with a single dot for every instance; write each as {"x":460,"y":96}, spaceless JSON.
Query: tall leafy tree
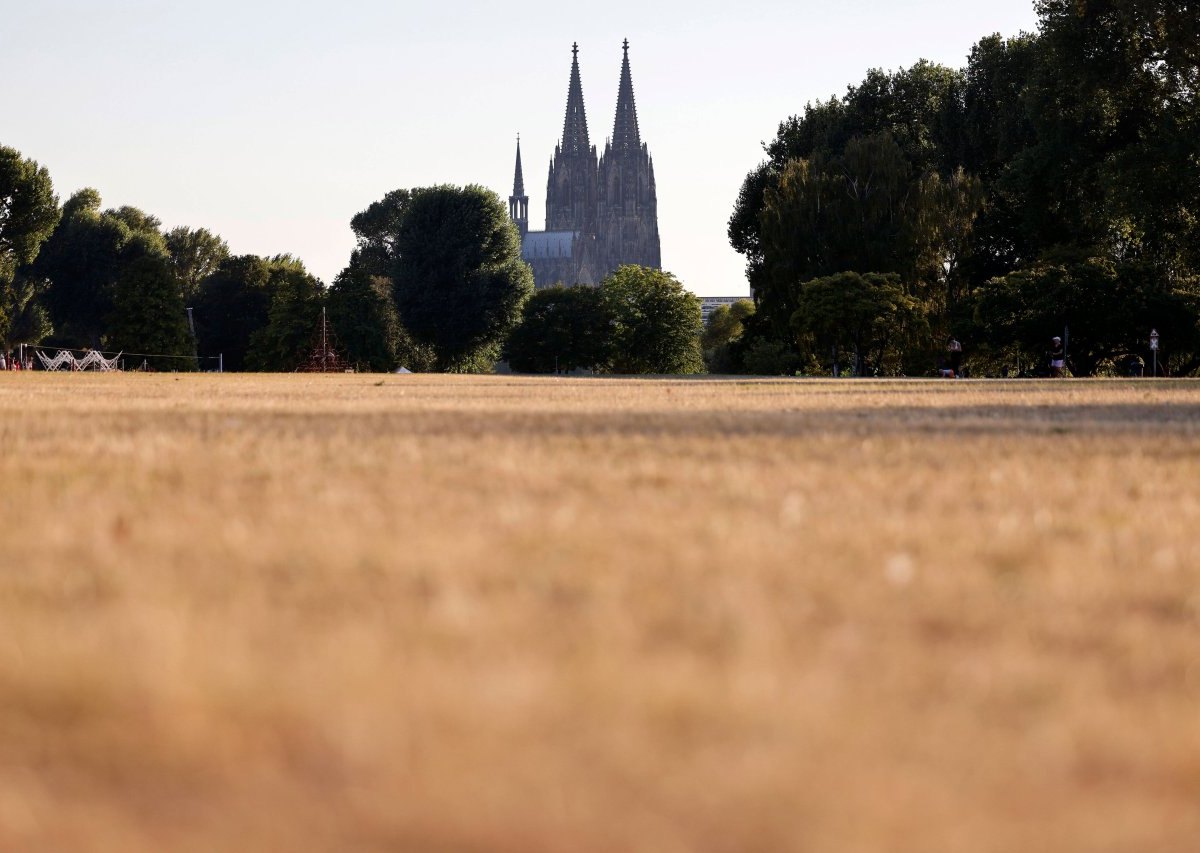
{"x":562,"y":329}
{"x":83,"y":259}
{"x":195,"y":255}
{"x":28,"y":216}
{"x":297,"y":298}
{"x":457,"y":273}
{"x":865,"y":210}
{"x":26,"y":321}
{"x":724,"y":328}
{"x":656,"y":322}
{"x":364,"y":318}
{"x":231,"y":305}
{"x":375,"y":230}
{"x":149,"y":315}
{"x":868,"y":316}
{"x":1117,"y":113}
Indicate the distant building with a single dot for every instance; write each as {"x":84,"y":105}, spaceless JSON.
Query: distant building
{"x":709,"y":304}
{"x":600,"y":214}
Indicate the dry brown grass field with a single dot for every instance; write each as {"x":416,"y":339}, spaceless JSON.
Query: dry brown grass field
{"x":416,"y":613}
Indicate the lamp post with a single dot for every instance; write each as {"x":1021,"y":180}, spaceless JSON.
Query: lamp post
{"x":1154,"y":351}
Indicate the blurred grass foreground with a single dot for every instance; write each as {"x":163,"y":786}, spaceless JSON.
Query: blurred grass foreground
{"x":438,"y":613}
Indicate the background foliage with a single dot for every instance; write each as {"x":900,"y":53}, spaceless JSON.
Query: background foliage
{"x":1054,"y":181}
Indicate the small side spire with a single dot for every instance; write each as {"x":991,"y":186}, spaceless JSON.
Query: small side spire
{"x":519,"y":177}
{"x":518,"y":202}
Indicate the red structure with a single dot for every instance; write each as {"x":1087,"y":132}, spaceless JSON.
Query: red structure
{"x":325,"y":356}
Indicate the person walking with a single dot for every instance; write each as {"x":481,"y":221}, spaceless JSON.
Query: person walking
{"x":1057,"y":358}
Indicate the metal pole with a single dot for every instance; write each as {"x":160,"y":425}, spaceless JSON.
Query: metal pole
{"x":221,"y":363}
{"x":1154,"y":372}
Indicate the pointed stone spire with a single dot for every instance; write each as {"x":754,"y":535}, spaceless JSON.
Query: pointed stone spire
{"x":575,"y":130}
{"x":519,"y":177}
{"x":626,"y":136}
{"x":518,"y":202}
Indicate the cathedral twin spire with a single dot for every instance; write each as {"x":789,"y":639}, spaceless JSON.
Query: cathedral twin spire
{"x":575,"y":138}
{"x":601,"y":211}
{"x":625,"y":127}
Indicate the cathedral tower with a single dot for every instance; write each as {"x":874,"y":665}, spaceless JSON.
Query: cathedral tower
{"x":627,"y":198}
{"x":600,"y":214}
{"x":571,"y":187}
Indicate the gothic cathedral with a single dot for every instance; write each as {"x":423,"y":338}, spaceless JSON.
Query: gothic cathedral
{"x":599,"y":215}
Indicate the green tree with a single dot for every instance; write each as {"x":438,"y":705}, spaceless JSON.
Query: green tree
{"x":767,"y":356}
{"x":1109,"y":307}
{"x":149,"y":315}
{"x":83,"y":259}
{"x":866,"y":315}
{"x":918,"y":110}
{"x":864,"y":210}
{"x":457,"y":273}
{"x":372,"y":265}
{"x":195,"y":255}
{"x":231,"y":306}
{"x":28,"y":322}
{"x":364,"y":318}
{"x":656,"y":322}
{"x":284,"y":343}
{"x":375,"y":230}
{"x":28,"y":216}
{"x":725,"y":327}
{"x":563,"y":329}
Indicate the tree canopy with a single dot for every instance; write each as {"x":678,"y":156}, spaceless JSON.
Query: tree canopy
{"x":655,"y":322}
{"x":149,"y":316}
{"x":195,"y":254}
{"x":1079,"y":139}
{"x":456,"y":270}
{"x":83,"y":259}
{"x":365,"y":320}
{"x":562,"y":329}
{"x":868,"y":316}
{"x":283,"y":344}
{"x":28,"y":210}
{"x":724,"y":328}
{"x":28,"y":216}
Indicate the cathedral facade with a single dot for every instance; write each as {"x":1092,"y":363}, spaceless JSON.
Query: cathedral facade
{"x":600,"y":213}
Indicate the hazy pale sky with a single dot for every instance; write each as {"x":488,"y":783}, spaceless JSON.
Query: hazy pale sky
{"x":272,"y":122}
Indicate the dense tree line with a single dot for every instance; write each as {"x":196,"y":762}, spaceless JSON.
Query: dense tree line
{"x":435,"y":282}
{"x":1054,"y":182}
{"x":638,"y":321}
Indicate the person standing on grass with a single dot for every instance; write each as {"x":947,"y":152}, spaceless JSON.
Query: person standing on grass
{"x":954,"y":355}
{"x":1057,"y":358}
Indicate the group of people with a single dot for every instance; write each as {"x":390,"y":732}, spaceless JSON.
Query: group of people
{"x":14,"y":361}
{"x":1056,"y":359}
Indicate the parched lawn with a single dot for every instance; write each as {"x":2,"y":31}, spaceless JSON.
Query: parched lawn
{"x":421,"y":613}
